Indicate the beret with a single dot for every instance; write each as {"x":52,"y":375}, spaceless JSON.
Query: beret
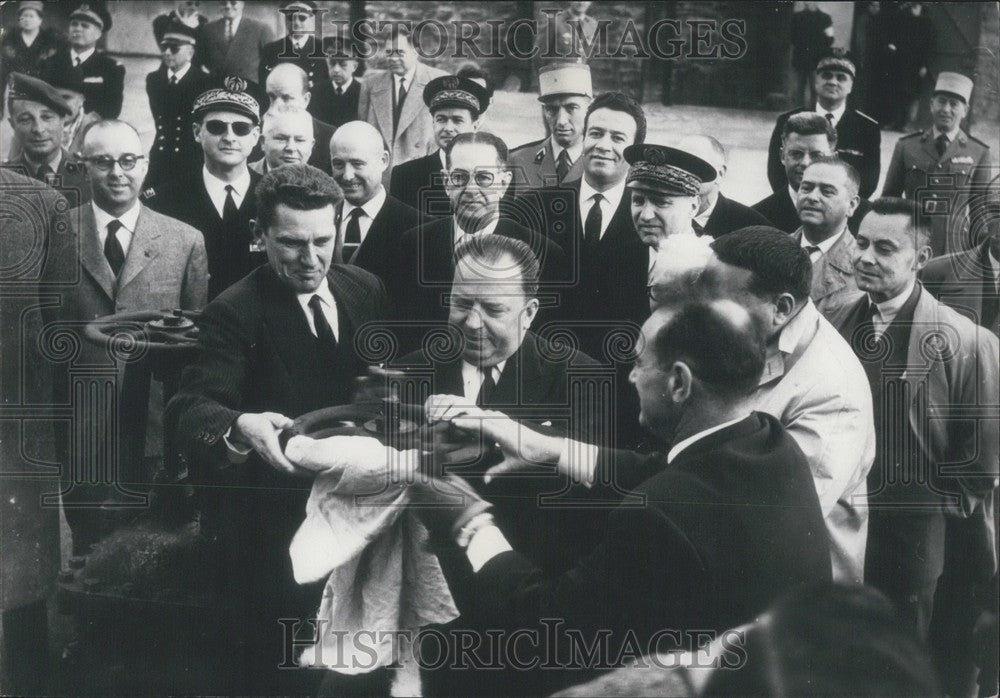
{"x":35,"y":90}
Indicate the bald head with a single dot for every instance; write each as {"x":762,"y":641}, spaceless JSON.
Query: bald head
{"x":358,"y":157}
{"x":288,"y":85}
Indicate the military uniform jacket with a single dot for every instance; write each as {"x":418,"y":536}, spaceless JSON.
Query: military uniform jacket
{"x":534,"y":166}
{"x":103,"y":81}
{"x":314,"y":66}
{"x":174,"y":151}
{"x":859,"y":142}
{"x":939,"y":183}
{"x":69,"y":179}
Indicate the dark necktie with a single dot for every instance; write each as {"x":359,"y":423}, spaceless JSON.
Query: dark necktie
{"x":398,"y":107}
{"x":352,"y":234}
{"x":867,"y":345}
{"x":43,"y":173}
{"x":173,"y":79}
{"x":229,"y":30}
{"x":323,"y":330}
{"x":76,"y":61}
{"x":230,"y":212}
{"x":337,"y":90}
{"x":592,"y":226}
{"x":562,"y":165}
{"x":811,"y":249}
{"x":941,"y":144}
{"x":113,"y":251}
{"x":829,"y":117}
{"x":487,"y":388}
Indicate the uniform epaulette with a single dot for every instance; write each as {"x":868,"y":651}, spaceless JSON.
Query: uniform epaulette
{"x":973,"y":138}
{"x":861,"y":113}
{"x":911,"y":135}
{"x":533,"y":144}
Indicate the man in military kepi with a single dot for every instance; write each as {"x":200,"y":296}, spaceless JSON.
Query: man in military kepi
{"x":565,"y":91}
{"x":455,"y":104}
{"x":298,"y":47}
{"x":172,"y":89}
{"x":934,"y":165}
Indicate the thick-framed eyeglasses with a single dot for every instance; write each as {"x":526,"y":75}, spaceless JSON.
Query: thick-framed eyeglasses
{"x":219,"y":128}
{"x":104,"y":163}
{"x":482,"y":178}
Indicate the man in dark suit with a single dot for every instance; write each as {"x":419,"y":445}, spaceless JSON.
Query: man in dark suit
{"x":923,"y":360}
{"x":220,"y":203}
{"x":288,"y":88}
{"x":805,"y":137}
{"x":277,"y":345}
{"x":370,"y":222}
{"x":729,"y":521}
{"x":424,"y":263}
{"x":103,"y":76}
{"x":858,"y":135}
{"x":233,"y":44}
{"x":455,"y":104}
{"x":298,"y":47}
{"x":172,"y":89}
{"x":36,"y":115}
{"x":335,"y":100}
{"x":717,"y":214}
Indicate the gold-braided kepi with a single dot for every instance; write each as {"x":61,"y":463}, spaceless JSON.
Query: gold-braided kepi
{"x":232,"y":98}
{"x":453,"y":91}
{"x":668,"y":170}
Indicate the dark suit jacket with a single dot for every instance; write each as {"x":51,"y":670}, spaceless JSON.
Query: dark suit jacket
{"x":315,"y":67}
{"x":335,"y":110}
{"x":174,"y":152}
{"x":103,"y":81}
{"x":964,"y":281}
{"x":779,"y":209}
{"x":241,"y":57}
{"x":229,"y":255}
{"x":726,"y":528}
{"x":729,"y":215}
{"x":381,"y":245}
{"x":420,"y":185}
{"x":858,"y":142}
{"x":256,"y":354}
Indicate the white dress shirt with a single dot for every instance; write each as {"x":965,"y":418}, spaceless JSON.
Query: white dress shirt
{"x":824,"y":246}
{"x":407,"y":82}
{"x":179,"y":75}
{"x":473,"y":377}
{"x":793,"y":195}
{"x":329,"y":306}
{"x":610,"y":201}
{"x":837,"y":113}
{"x":129,"y":219}
{"x":370,"y":209}
{"x":235,"y":24}
{"x":574,"y":151}
{"x":216,"y":188}
{"x":702,"y":218}
{"x":886,"y":311}
{"x":685,"y":443}
{"x":78,"y":58}
{"x":486,"y":230}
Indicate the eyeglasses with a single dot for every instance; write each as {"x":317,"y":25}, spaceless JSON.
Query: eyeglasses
{"x":461,"y":178}
{"x":219,"y":128}
{"x":105,"y":163}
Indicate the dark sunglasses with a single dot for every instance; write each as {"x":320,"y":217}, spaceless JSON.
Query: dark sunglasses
{"x":219,"y":128}
{"x":172,"y":48}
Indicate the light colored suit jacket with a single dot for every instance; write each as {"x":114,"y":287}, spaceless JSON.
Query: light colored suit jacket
{"x":166,"y":267}
{"x":833,"y":273}
{"x":415,"y":134}
{"x":241,"y":57}
{"x":816,"y":387}
{"x":534,"y":166}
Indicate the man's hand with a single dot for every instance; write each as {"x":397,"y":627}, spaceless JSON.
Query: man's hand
{"x":445,"y":504}
{"x":523,"y":448}
{"x":441,"y":408}
{"x":260,"y":432}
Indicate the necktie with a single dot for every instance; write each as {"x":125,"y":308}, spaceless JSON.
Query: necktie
{"x":113,"y":251}
{"x":487,"y":388}
{"x":43,"y":173}
{"x":323,"y":330}
{"x":398,"y":108}
{"x":352,"y":234}
{"x":229,"y":211}
{"x":592,"y":226}
{"x":337,"y":90}
{"x":76,"y":61}
{"x":229,"y":30}
{"x":562,"y":165}
{"x":811,"y":250}
{"x":829,"y":117}
{"x":866,"y":344}
{"x":173,"y":79}
{"x":941,"y":144}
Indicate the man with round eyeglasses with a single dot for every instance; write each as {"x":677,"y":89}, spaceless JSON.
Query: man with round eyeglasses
{"x":220,"y":203}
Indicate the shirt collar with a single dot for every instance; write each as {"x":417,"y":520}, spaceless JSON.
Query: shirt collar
{"x":888,"y":310}
{"x":370,"y":207}
{"x":129,"y":219}
{"x":54,"y":165}
{"x":702,"y":218}
{"x":343,"y":88}
{"x":952,"y":135}
{"x":180,"y":73}
{"x":408,"y":78}
{"x":323,"y":291}
{"x":459,"y":233}
{"x":793,"y":195}
{"x":470,"y":372}
{"x":216,"y":187}
{"x":82,"y":56}
{"x":235,"y":21}
{"x":575,"y":151}
{"x":788,"y":341}
{"x":827,"y":244}
{"x":613,"y":195}
{"x":837,"y":113}
{"x":685,"y":443}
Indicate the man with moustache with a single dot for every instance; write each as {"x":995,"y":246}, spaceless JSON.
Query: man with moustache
{"x":565,"y":91}
{"x":370,"y":221}
{"x":455,"y":105}
{"x":287,"y":139}
{"x":287,"y":87}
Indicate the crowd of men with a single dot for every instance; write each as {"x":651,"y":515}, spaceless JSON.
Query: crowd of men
{"x":732,"y":403}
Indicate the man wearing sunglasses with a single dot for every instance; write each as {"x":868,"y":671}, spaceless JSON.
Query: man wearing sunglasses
{"x":172,"y":89}
{"x":131,"y":259}
{"x":858,"y":135}
{"x":298,"y":47}
{"x":220,"y":203}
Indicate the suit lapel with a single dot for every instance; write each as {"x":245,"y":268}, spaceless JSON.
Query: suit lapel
{"x":286,"y":323}
{"x":834,"y":269}
{"x":382,"y":104}
{"x":92,"y":256}
{"x":520,"y":376}
{"x":414,"y":102}
{"x":925,"y":370}
{"x":928,"y":141}
{"x":142,"y":251}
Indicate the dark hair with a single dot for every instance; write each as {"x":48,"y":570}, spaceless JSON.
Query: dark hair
{"x":809,"y":123}
{"x":848,"y":168}
{"x":474,"y":72}
{"x":893,"y":206}
{"x":829,"y":640}
{"x":474,"y":137}
{"x":300,"y":187}
{"x":727,"y":357}
{"x":778,"y":263}
{"x":489,"y":249}
{"x":619,"y":101}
